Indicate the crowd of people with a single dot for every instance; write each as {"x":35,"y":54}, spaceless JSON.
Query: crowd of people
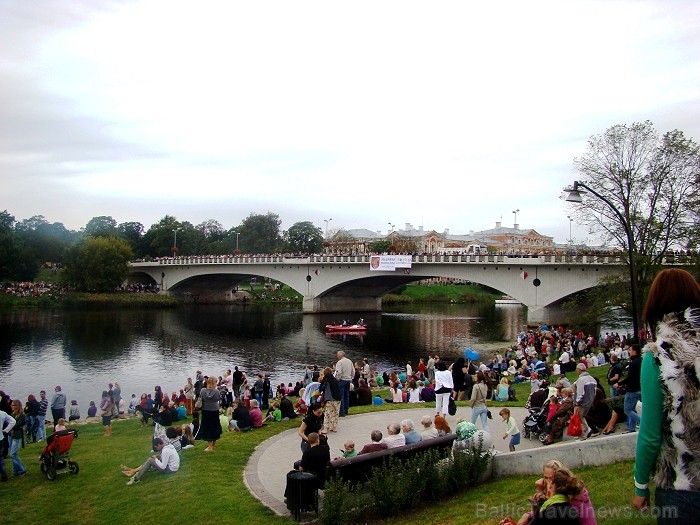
{"x":663,"y":375}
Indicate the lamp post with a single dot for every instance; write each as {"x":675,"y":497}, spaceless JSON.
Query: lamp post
{"x":515,"y":218}
{"x":327,"y":221}
{"x":574,"y":195}
{"x":571,"y":240}
{"x":175,"y":241}
{"x":392,"y":227}
{"x":237,"y":234}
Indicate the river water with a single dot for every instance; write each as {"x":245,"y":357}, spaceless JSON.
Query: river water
{"x":83,"y":351}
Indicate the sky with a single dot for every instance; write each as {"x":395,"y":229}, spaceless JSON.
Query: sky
{"x":446,"y":115}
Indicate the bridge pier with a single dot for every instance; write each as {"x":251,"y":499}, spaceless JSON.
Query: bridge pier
{"x":549,"y":315}
{"x":315,"y":305}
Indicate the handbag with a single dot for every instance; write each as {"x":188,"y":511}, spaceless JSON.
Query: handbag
{"x":451,"y":407}
{"x":489,"y":414}
{"x":574,"y":429}
{"x":198,"y":403}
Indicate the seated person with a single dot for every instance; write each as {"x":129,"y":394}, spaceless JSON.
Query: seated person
{"x":286,"y":407}
{"x":240,"y":417}
{"x":414,"y":392}
{"x":409,"y":432}
{"x":92,"y":409}
{"x":223,"y":420}
{"x":598,"y":415}
{"x":617,"y":413}
{"x":349,"y":449}
{"x":501,"y":393}
{"x":274,"y":414}
{"x":173,"y":438}
{"x":364,"y":393}
{"x":394,"y":438}
{"x":256,"y":417}
{"x":376,"y":444}
{"x":441,"y":425}
{"x":315,"y":459}
{"x":395,"y":392}
{"x":74,"y":411}
{"x":181,"y":412}
{"x":427,"y":393}
{"x":561,"y":416}
{"x":169,"y":461}
{"x":186,"y":437}
{"x":429,"y":430}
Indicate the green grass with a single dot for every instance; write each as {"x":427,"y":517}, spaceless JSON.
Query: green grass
{"x":212,"y":484}
{"x":441,"y":293}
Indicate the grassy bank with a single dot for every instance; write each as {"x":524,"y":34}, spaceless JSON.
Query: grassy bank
{"x":212,"y":485}
{"x":94,"y":301}
{"x":441,"y":293}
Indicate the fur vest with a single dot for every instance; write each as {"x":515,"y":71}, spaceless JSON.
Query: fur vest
{"x":677,"y":352}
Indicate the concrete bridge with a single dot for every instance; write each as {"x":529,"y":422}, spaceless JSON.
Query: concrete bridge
{"x":344,"y":283}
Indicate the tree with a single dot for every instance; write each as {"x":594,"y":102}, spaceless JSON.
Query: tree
{"x":260,"y":233}
{"x":98,"y":264}
{"x":16,"y":262}
{"x":132,"y":233}
{"x":648,"y":179}
{"x":103,"y":226}
{"x":304,"y":237}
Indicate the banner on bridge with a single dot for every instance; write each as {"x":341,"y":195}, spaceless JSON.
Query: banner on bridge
{"x":389,"y":263}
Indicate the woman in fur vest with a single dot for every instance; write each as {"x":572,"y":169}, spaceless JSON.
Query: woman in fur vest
{"x":668,"y":443}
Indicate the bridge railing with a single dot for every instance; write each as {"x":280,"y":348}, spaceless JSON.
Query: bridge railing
{"x":417,"y":259}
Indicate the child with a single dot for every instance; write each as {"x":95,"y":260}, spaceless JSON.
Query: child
{"x":553,"y":406}
{"x":60,"y":425}
{"x":349,"y":451}
{"x":511,"y":429}
{"x":274,"y":414}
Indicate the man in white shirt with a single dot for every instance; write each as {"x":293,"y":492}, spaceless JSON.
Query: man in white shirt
{"x":395,"y":437}
{"x":344,"y":372}
{"x":169,"y":461}
{"x":7,"y":423}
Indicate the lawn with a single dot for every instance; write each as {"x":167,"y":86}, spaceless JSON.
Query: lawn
{"x":211,"y":485}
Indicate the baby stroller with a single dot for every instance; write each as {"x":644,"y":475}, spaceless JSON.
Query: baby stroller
{"x":55,"y":458}
{"x":535,"y":423}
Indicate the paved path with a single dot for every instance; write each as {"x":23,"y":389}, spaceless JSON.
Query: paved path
{"x":266,"y":472}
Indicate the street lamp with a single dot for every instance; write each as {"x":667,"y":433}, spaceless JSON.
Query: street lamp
{"x":237,"y":234}
{"x":571,"y":240}
{"x":515,"y":218}
{"x":392,"y":226}
{"x":574,"y":195}
{"x":327,"y":221}
{"x":175,"y":241}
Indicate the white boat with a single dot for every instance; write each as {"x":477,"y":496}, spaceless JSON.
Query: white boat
{"x":507,"y":300}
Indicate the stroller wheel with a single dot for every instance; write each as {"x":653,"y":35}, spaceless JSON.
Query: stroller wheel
{"x":542,"y":437}
{"x":526,"y":433}
{"x":50,"y":473}
{"x":43,"y":468}
{"x":73,"y":467}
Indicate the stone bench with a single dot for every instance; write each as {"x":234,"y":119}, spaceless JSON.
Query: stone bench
{"x":358,"y":469}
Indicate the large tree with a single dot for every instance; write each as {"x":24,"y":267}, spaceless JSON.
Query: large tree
{"x":304,"y":237}
{"x":98,"y":264}
{"x":102,"y":226}
{"x":648,"y":179}
{"x":260,"y":233}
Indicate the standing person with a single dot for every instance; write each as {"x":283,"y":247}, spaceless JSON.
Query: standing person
{"x":331,"y":397}
{"x":259,"y":388}
{"x":313,"y":422}
{"x":344,"y":372}
{"x":478,"y":401}
{"x":58,"y":405}
{"x":443,"y":389}
{"x":31,"y":410}
{"x":237,"y":381}
{"x":210,"y":428}
{"x":228,"y":384}
{"x":189,"y":396}
{"x":430,"y":369}
{"x":267,"y":387}
{"x":633,"y":388}
{"x":459,"y":371}
{"x":614,"y":374}
{"x":17,"y":438}
{"x":7,"y":422}
{"x":41,"y":417}
{"x":107,"y":409}
{"x":511,"y":429}
{"x":366,"y":372}
{"x":668,"y":442}
{"x":117,"y":391}
{"x":585,"y":387}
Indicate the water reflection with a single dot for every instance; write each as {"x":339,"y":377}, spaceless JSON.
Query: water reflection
{"x":83,"y":351}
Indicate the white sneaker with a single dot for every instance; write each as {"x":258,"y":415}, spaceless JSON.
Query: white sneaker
{"x":132,"y":481}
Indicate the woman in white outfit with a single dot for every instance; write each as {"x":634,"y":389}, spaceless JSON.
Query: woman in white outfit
{"x":443,"y":388}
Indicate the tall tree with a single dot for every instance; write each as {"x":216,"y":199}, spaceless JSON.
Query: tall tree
{"x":304,"y":237}
{"x":648,"y":179}
{"x":102,"y":226}
{"x":132,"y":233}
{"x":98,"y":264}
{"x":260,"y":233}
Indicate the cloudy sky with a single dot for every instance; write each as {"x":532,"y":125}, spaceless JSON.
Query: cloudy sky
{"x":442,"y":114}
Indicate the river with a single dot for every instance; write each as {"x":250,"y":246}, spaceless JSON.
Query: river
{"x":83,"y":351}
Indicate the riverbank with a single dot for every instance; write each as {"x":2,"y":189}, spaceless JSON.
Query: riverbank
{"x":90,"y":301}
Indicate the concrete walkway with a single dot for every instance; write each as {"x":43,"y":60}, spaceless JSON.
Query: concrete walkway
{"x":266,"y":472}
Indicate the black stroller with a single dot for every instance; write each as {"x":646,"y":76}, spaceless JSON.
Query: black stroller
{"x":535,"y":423}
{"x":55,"y":458}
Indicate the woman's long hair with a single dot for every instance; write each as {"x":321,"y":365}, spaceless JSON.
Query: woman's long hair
{"x":672,"y":291}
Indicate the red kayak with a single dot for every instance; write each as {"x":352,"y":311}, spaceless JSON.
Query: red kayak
{"x":346,"y":328}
